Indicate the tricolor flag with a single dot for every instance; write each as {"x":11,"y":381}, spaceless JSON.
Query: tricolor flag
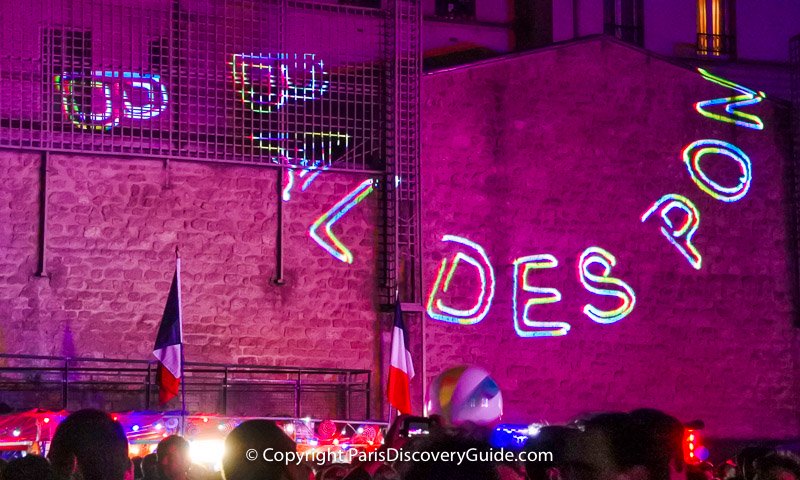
{"x":401,"y":370}
{"x":169,"y":342}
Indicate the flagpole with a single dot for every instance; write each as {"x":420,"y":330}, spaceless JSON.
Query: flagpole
{"x":183,"y":360}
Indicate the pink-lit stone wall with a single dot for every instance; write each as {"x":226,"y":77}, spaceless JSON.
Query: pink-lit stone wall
{"x":112,"y":226}
{"x":564,"y":149}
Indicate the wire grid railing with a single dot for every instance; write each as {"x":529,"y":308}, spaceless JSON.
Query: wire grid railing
{"x":296,"y":83}
{"x":59,"y":383}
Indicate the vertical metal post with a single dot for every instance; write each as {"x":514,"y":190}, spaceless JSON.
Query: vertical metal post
{"x":225,"y":391}
{"x":65,"y":385}
{"x":297,"y":397}
{"x":148,"y":381}
{"x":41,"y":269}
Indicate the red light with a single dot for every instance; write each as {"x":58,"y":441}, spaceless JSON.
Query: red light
{"x":46,"y":419}
{"x":691,"y":446}
{"x":691,"y":454}
{"x":691,"y":437}
{"x":205,"y":419}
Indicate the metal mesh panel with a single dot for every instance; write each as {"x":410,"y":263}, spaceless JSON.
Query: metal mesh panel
{"x":794,"y":60}
{"x":403,"y":259}
{"x":269,"y":82}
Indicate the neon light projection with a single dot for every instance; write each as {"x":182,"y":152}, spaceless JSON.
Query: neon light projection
{"x":130,"y":95}
{"x":524,"y":326}
{"x":680,"y":237}
{"x":438,"y":310}
{"x":597,"y":255}
{"x":305,"y":149}
{"x":748,"y":97}
{"x":695,"y":151}
{"x":266,"y":82}
{"x":335,"y":247}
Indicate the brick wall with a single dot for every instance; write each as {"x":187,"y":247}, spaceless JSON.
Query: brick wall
{"x":556,"y":151}
{"x":551,"y":152}
{"x":112,"y":227}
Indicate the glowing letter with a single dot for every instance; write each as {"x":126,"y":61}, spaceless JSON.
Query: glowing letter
{"x":695,"y":151}
{"x":116,"y":91}
{"x":681,"y":237}
{"x":264,"y":83}
{"x":606,"y":260}
{"x":747,"y":97}
{"x":522,"y":322}
{"x":67,"y":84}
{"x":438,"y":310}
{"x":338,"y":250}
{"x":155,"y":103}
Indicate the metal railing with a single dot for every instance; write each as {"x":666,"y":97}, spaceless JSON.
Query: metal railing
{"x":60,"y":383}
{"x":716,"y":45}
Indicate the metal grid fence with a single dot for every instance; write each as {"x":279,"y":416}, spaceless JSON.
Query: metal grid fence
{"x":280,"y":82}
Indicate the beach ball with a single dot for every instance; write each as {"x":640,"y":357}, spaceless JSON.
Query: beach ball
{"x":465,"y":394}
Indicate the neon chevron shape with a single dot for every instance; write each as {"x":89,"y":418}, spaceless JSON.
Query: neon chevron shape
{"x":604,"y":258}
{"x":523,"y":324}
{"x":696,"y":150}
{"x":689,"y":227}
{"x":335,"y":247}
{"x":437,"y":310}
{"x":732,"y":104}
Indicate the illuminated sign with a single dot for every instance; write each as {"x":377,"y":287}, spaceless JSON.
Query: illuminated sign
{"x":681,"y":237}
{"x":677,"y":217}
{"x":328,"y":240}
{"x":478,"y":259}
{"x":117,"y":95}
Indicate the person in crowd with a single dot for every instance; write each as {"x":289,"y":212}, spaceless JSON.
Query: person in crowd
{"x":641,"y":445}
{"x":137,"y":468}
{"x":91,"y":445}
{"x":449,"y":440}
{"x":746,"y":460}
{"x":173,"y":458}
{"x":662,"y":443}
{"x":257,"y":436}
{"x":550,"y":439}
{"x":3,"y":465}
{"x":150,"y":467}
{"x":777,"y":466}
{"x":30,"y":467}
{"x":726,"y":470}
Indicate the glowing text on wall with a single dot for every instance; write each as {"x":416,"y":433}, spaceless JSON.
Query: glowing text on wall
{"x":695,"y":151}
{"x":130,"y":95}
{"x":328,"y":240}
{"x":681,"y":236}
{"x":599,"y":256}
{"x":732,"y":104}
{"x":483,"y":300}
{"x":266,"y":82}
{"x":523,"y":309}
{"x":523,"y":324}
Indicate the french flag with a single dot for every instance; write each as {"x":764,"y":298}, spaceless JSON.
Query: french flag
{"x":169,"y":342}
{"x":401,"y":370}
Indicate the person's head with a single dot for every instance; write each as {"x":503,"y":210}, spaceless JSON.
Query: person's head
{"x":173,"y":458}
{"x":137,"y":467}
{"x":91,"y":443}
{"x":746,"y":460}
{"x":662,"y":444}
{"x":30,"y":467}
{"x":477,"y":467}
{"x":150,"y":467}
{"x":606,"y":449}
{"x":777,"y":466}
{"x":258,"y":436}
{"x":550,"y":439}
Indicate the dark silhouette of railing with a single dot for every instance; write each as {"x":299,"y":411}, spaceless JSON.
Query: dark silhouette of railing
{"x":716,"y":45}
{"x":55,"y":383}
